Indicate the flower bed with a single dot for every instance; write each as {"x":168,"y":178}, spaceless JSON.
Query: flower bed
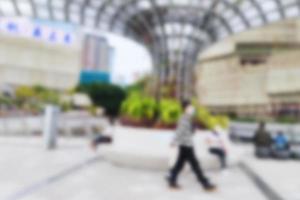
{"x":140,"y":111}
{"x":144,"y":123}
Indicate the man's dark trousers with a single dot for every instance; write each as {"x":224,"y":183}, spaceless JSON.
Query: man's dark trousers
{"x":221,"y":154}
{"x":187,"y":154}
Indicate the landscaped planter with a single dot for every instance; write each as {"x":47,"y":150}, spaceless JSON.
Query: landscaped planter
{"x":150,"y":149}
{"x":126,"y":121}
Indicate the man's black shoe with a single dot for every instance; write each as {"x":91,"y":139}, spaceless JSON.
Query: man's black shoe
{"x":210,"y":188}
{"x":173,"y":186}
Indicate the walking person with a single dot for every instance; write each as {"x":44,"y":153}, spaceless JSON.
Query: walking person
{"x":184,"y":142}
{"x":217,"y":147}
{"x":100,"y":139}
{"x":105,"y":137}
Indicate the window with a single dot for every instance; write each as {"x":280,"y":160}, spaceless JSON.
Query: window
{"x":253,"y":54}
{"x":252,"y":60}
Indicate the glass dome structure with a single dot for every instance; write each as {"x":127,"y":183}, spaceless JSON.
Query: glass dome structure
{"x":174,"y":31}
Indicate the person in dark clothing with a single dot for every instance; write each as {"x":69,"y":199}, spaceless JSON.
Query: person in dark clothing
{"x":184,"y":140}
{"x":262,"y":137}
{"x":104,"y":137}
{"x":221,"y":154}
{"x":100,"y":139}
{"x":263,"y":141}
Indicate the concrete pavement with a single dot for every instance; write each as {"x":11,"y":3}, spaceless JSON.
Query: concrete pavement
{"x":73,"y":172}
{"x":282,"y":176}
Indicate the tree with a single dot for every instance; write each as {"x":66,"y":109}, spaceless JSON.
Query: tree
{"x":108,"y":96}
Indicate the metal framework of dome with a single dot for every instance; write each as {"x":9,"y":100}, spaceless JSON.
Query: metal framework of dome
{"x":174,"y":31}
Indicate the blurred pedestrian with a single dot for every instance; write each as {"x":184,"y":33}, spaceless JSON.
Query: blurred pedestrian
{"x":281,"y":146}
{"x":105,"y":135}
{"x":184,"y":142}
{"x":281,"y":142}
{"x":263,"y":141}
{"x":217,"y":146}
{"x":100,"y":139}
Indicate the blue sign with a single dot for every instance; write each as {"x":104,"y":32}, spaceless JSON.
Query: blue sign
{"x":91,"y":76}
{"x":38,"y":29}
{"x":12,"y":27}
{"x":37,"y":33}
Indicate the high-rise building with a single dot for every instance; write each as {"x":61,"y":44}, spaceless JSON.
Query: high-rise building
{"x":96,"y":60}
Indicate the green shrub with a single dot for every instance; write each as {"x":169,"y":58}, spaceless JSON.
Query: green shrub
{"x":287,"y":120}
{"x":126,"y":103}
{"x":23,"y":94}
{"x":210,"y":122}
{"x":204,"y":117}
{"x":65,"y":106}
{"x":34,"y":98}
{"x":7,"y":101}
{"x":92,"y":110}
{"x":202,"y":113}
{"x":133,"y":108}
{"x":138,"y":107}
{"x":48,"y":96}
{"x":170,"y":111}
{"x":245,"y":119}
{"x":223,"y":121}
{"x":108,"y":96}
{"x":149,"y":108}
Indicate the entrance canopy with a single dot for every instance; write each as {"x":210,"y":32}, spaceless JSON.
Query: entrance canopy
{"x":174,"y":31}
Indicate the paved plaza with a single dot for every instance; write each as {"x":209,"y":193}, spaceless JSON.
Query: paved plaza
{"x":281,"y":176}
{"x":74,"y":172}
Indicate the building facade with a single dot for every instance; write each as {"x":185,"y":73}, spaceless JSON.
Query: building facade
{"x":255,"y":73}
{"x":31,"y":54}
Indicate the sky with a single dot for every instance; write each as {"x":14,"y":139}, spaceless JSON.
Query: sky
{"x":131,"y":60}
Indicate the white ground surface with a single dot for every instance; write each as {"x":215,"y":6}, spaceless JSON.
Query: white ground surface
{"x":150,"y":149}
{"x":282,"y":176}
{"x":29,"y":172}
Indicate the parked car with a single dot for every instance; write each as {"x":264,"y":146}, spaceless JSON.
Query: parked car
{"x":242,"y":132}
{"x":295,"y":145}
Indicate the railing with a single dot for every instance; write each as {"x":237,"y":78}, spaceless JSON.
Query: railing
{"x":69,"y":125}
{"x":246,"y":131}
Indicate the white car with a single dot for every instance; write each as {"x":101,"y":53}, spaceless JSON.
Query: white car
{"x":295,"y":145}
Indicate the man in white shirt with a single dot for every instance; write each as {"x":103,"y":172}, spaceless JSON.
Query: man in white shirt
{"x":217,"y":146}
{"x":184,"y":141}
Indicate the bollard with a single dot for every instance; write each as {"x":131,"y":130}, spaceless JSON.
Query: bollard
{"x":50,"y":128}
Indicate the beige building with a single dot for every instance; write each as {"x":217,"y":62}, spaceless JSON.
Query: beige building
{"x":26,"y":61}
{"x":254,"y":73}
